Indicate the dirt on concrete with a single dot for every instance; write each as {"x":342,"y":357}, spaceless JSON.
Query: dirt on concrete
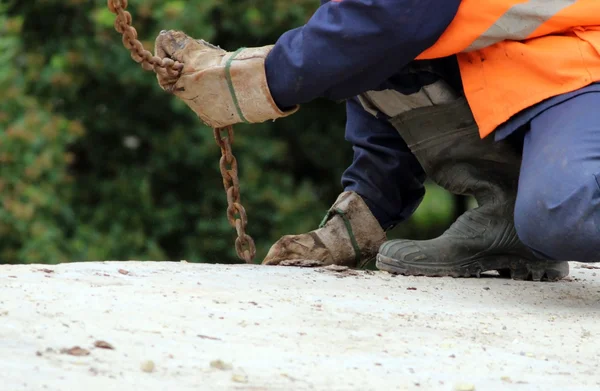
{"x":181,"y":326}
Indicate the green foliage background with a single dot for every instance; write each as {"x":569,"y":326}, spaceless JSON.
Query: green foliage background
{"x":98,"y":163}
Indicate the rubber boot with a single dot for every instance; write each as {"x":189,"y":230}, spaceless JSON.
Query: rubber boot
{"x":349,"y":235}
{"x":446,"y":142}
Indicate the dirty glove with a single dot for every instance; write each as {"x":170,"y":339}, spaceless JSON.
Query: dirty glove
{"x":222,"y":88}
{"x":349,"y":236}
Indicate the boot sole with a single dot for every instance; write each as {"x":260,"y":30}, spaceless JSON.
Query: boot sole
{"x":516,"y":268}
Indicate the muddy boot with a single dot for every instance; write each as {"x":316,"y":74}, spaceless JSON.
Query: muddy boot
{"x":446,"y":142}
{"x":349,"y":236}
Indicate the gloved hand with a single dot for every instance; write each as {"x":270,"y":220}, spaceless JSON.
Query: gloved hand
{"x":222,"y":88}
{"x":349,"y":236}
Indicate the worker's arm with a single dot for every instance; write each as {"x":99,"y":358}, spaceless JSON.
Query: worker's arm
{"x":352,"y":46}
{"x":346,"y":48}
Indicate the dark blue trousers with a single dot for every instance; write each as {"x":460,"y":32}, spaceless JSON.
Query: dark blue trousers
{"x":384,"y":172}
{"x":558,"y":203}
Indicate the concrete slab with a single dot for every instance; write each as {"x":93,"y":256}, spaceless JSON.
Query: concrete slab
{"x":221,"y":327}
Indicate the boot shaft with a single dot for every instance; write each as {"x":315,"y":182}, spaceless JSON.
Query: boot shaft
{"x":445,"y":139}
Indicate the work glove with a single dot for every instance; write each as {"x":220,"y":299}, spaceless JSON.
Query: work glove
{"x":348,"y":236}
{"x":222,"y":88}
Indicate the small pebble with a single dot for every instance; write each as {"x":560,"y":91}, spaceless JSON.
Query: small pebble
{"x":76,"y":351}
{"x":103,"y":345}
{"x":464,"y":387}
{"x":148,"y":366}
{"x":221,"y":365}
{"x":238,"y":378}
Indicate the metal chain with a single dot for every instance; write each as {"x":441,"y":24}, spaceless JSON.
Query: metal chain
{"x":236,"y":213}
{"x":162,"y":66}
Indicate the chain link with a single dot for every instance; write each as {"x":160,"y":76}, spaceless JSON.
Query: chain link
{"x":162,"y":66}
{"x":236,"y":213}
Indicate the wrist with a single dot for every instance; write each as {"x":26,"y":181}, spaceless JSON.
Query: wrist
{"x":248,"y":87}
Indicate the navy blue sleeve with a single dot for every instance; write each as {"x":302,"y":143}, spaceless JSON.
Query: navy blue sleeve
{"x":383,"y":172}
{"x":352,"y":46}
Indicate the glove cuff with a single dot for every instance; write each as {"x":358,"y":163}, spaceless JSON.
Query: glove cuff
{"x":247,"y":83}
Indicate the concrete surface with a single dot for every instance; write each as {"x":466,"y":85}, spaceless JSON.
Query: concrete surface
{"x":216,"y":327}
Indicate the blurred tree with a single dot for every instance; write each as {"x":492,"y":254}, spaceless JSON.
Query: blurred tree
{"x":97,"y":162}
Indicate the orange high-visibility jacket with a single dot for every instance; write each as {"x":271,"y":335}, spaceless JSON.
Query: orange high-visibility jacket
{"x":513,"y":54}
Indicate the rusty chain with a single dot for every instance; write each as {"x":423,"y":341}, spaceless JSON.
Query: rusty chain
{"x":236,"y":213}
{"x":163,"y":66}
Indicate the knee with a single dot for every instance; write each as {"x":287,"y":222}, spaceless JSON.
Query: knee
{"x":560,"y":225}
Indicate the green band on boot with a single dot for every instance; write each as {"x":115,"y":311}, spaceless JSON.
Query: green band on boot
{"x":342,"y":214}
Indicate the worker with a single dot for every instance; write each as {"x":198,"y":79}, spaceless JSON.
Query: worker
{"x":529,"y":72}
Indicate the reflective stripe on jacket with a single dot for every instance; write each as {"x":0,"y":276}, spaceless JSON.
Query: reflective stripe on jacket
{"x":513,"y":54}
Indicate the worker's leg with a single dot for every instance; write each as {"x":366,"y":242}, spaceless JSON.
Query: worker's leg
{"x":557,"y":213}
{"x":446,"y":141}
{"x":383,"y":186}
{"x":384,"y":172}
